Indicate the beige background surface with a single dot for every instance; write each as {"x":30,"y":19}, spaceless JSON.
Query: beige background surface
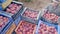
{"x":36,"y":4}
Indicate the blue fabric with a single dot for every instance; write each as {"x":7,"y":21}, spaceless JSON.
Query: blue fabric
{"x":0,"y":7}
{"x":1,"y":1}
